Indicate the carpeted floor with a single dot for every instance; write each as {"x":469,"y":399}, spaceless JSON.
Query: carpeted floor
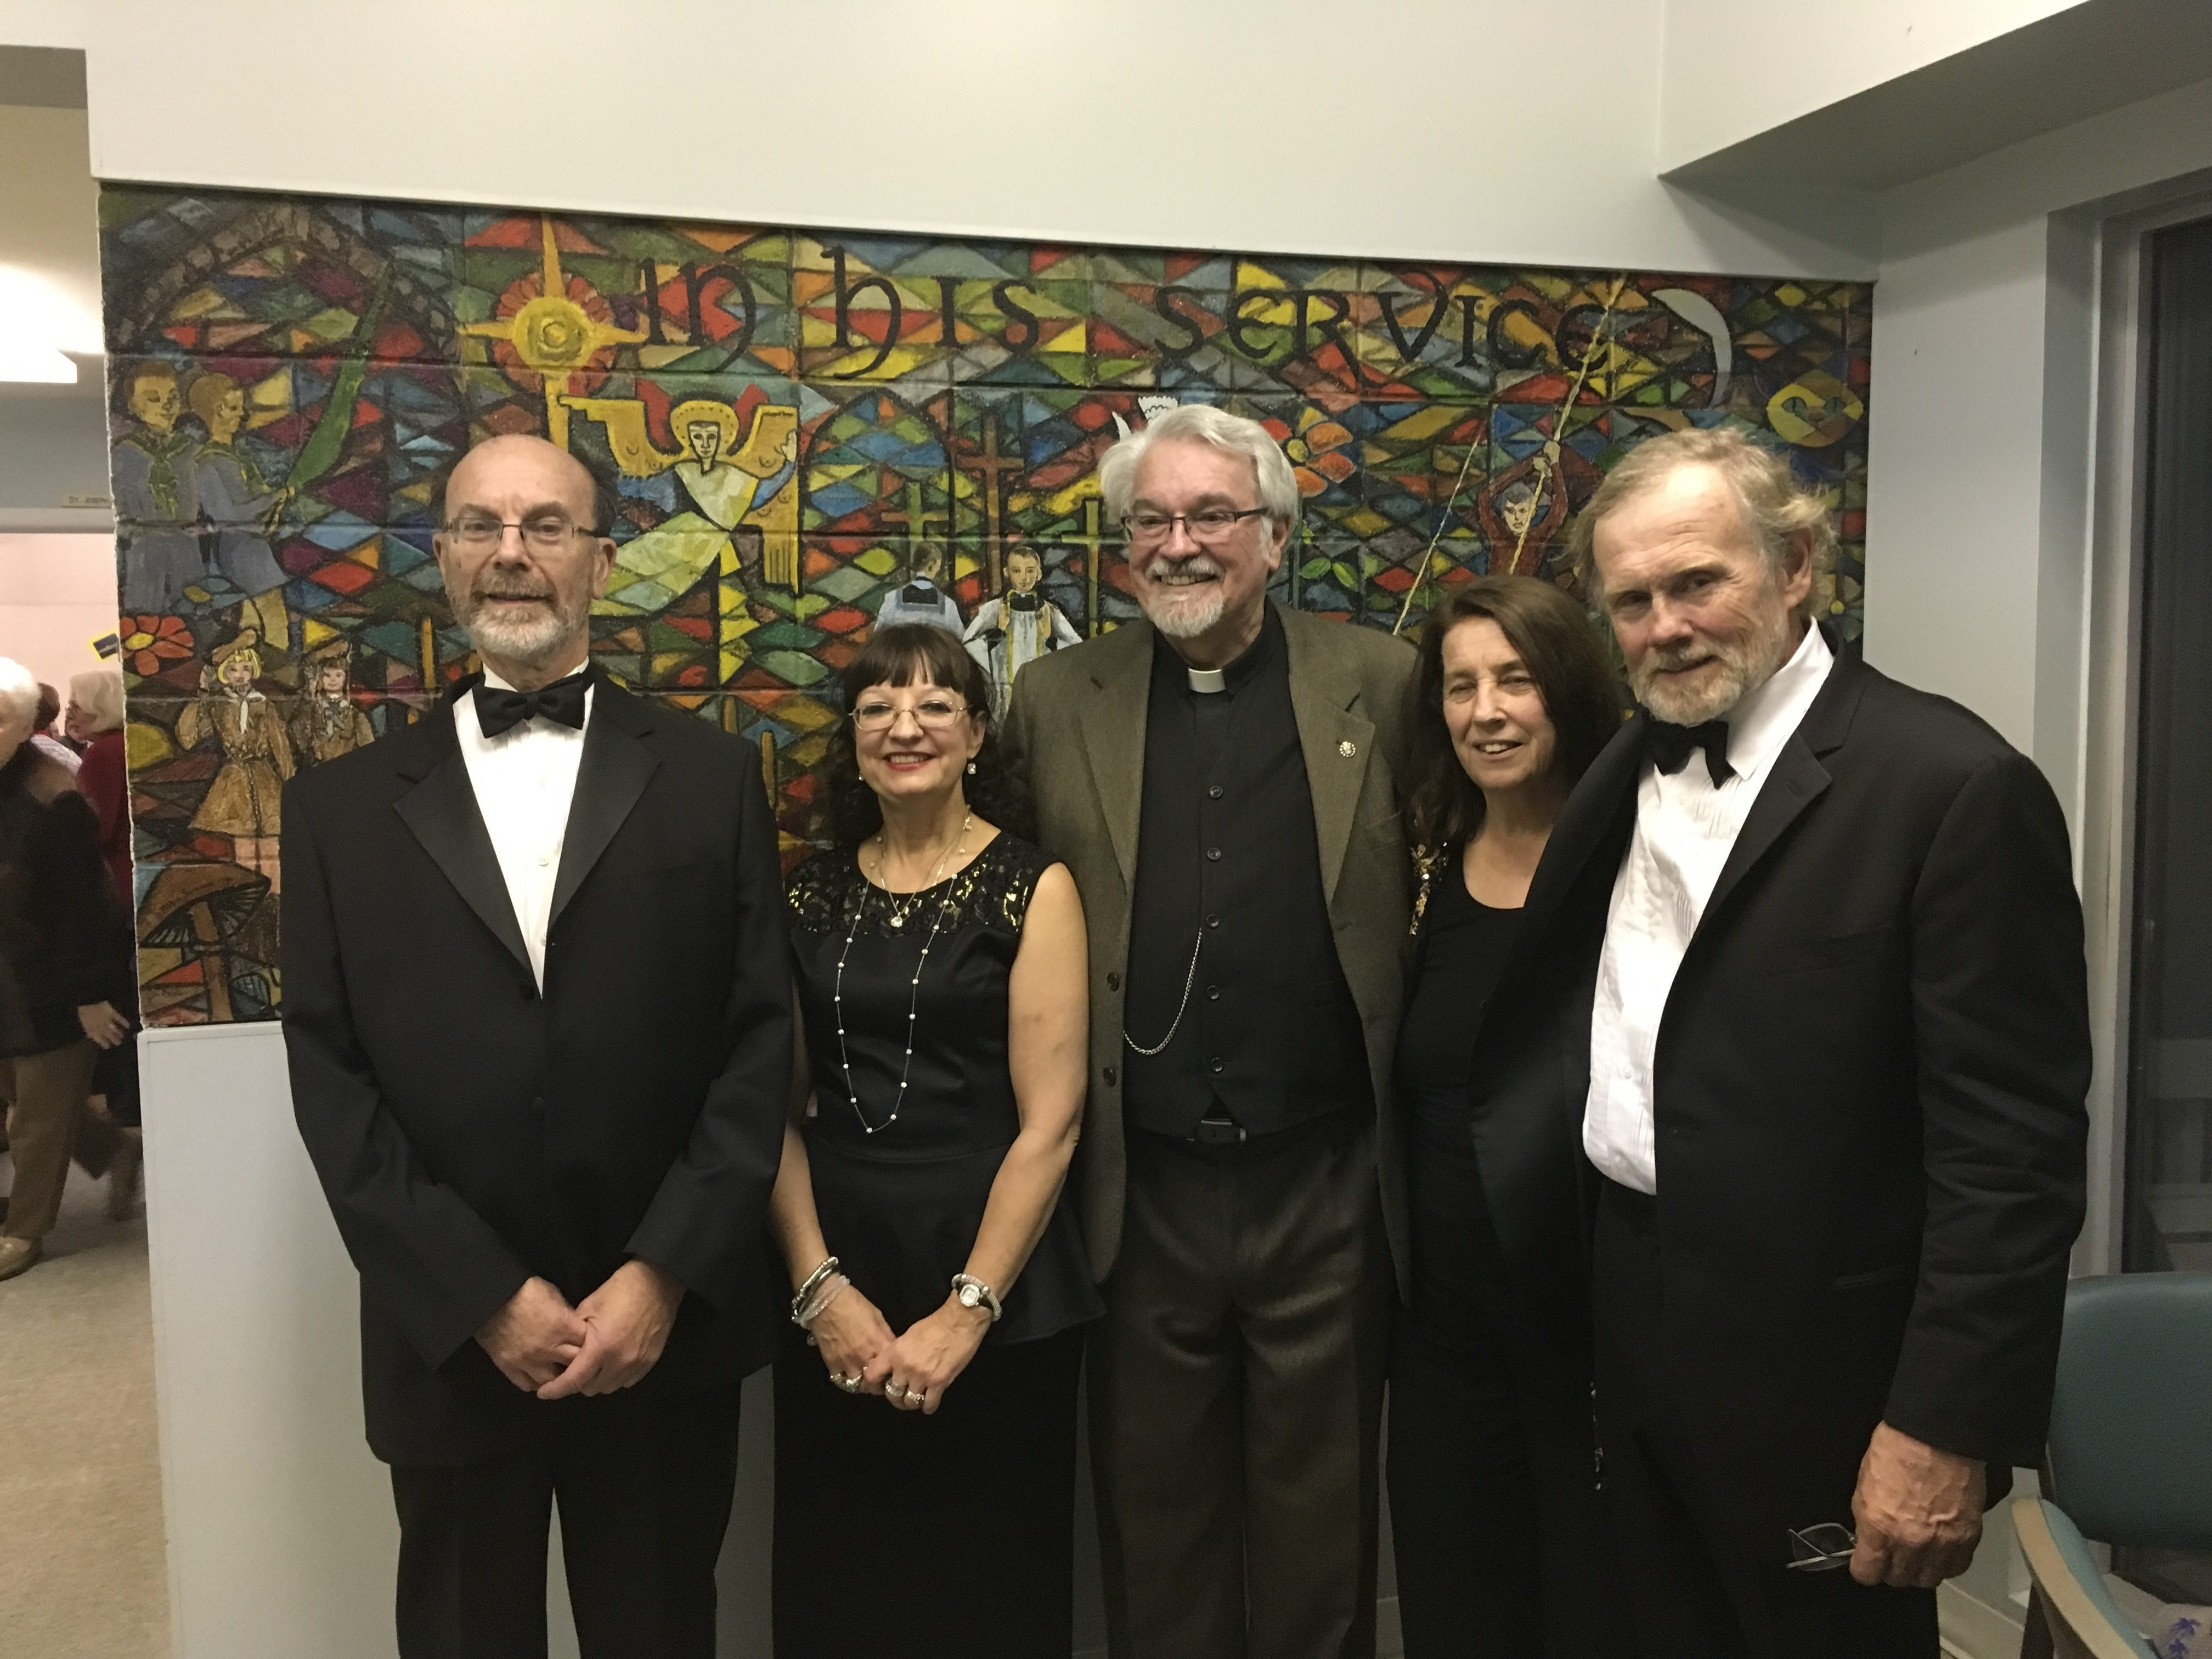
{"x":82,"y":1566}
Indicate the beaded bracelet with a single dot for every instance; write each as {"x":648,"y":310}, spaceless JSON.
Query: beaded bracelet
{"x":822,"y":1297}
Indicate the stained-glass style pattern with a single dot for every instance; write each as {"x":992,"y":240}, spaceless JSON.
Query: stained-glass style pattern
{"x":798,"y":428}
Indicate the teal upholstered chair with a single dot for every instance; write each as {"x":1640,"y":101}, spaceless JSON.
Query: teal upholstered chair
{"x":2130,"y":1453}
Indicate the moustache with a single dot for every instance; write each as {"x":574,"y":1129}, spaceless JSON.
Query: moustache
{"x":1678,"y":657}
{"x":1197,"y":564}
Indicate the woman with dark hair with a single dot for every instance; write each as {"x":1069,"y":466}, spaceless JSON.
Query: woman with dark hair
{"x":925,"y":1407}
{"x":1493,"y":1504}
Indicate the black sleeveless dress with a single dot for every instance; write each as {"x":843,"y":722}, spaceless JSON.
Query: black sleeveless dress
{"x":890,"y":1525}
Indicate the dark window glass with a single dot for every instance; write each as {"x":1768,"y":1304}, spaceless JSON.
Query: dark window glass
{"x":2168,"y":1222}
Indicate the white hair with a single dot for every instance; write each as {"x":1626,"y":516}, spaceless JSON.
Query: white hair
{"x":99,"y":692}
{"x":1203,"y":423}
{"x":19,"y":694}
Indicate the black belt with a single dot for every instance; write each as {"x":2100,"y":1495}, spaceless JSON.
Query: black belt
{"x":1213,"y":1133}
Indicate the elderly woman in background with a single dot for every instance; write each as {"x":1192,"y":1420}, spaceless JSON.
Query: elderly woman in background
{"x":62,"y":964}
{"x":95,"y":723}
{"x":95,"y":720}
{"x":926,"y":1447}
{"x":1500,"y":1541}
{"x":58,"y":747}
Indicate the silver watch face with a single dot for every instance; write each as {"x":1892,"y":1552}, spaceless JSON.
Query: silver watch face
{"x":971,"y":1296}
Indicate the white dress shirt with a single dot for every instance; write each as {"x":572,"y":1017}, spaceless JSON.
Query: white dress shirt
{"x":525,"y":780}
{"x":1685,"y":827}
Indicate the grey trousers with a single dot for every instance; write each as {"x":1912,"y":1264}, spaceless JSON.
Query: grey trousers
{"x":1236,"y":1389}
{"x":48,"y":1093}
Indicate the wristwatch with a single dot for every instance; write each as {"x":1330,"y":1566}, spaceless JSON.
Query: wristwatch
{"x":972,"y":1293}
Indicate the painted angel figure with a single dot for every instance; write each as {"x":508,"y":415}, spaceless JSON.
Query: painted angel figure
{"x":1011,"y":632}
{"x":727,"y":484}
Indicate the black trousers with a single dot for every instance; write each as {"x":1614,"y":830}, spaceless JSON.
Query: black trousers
{"x":644,"y":1486}
{"x":1696,"y":1589}
{"x":1500,"y":1541}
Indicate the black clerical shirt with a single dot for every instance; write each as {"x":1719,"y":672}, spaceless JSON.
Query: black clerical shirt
{"x":1228,"y":862}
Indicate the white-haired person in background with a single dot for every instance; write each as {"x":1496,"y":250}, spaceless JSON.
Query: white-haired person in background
{"x":60,"y":962}
{"x":95,"y":721}
{"x":1221,"y":781}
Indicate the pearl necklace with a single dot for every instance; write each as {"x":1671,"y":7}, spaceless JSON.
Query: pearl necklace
{"x":914,"y":997}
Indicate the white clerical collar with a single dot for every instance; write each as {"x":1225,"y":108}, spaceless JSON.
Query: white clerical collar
{"x":1762,"y":722}
{"x":1206,"y":680}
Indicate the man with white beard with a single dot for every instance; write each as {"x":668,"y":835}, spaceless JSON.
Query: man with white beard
{"x":1827,"y":931}
{"x":537,"y":1013}
{"x":1221,"y":781}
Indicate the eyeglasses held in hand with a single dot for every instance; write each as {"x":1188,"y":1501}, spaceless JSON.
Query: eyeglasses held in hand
{"x":1210,"y":524}
{"x":1821,"y":1548}
{"x":930,"y":714}
{"x":549,"y":532}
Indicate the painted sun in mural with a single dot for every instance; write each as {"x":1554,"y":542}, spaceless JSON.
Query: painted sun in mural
{"x":555,"y":333}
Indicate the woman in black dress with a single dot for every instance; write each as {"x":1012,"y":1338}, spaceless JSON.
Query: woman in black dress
{"x":1494,"y":1510}
{"x":924,"y":1420}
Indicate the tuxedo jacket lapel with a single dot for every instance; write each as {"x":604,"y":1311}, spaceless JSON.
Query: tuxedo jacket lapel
{"x":617,"y":763}
{"x":441,"y":811}
{"x":1602,"y":807}
{"x":1114,"y":738}
{"x":1796,"y":781}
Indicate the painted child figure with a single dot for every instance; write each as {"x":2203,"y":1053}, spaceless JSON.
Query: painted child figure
{"x":1011,"y":632}
{"x":157,"y":503}
{"x":326,"y":722}
{"x":245,"y":801}
{"x":921,"y":601}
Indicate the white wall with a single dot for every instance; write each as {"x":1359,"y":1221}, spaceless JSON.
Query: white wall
{"x":1732,"y":68}
{"x":1294,"y":125}
{"x":49,"y":225}
{"x":1978,"y":472}
{"x":56,"y":596}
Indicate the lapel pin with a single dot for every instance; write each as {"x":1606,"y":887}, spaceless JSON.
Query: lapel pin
{"x":1347,"y":749}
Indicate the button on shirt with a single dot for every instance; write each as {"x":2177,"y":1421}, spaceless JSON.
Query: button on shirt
{"x":1686,"y":828}
{"x":525,"y":780}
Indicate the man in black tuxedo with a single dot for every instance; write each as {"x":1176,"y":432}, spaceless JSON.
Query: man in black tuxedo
{"x":538,"y":1019}
{"x":1824,"y":930}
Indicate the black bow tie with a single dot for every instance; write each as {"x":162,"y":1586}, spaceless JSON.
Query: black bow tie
{"x":499,"y":711}
{"x":1673,"y":745}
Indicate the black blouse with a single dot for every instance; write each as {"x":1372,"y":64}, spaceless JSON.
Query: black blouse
{"x":901,"y":1183}
{"x":1463,"y":947}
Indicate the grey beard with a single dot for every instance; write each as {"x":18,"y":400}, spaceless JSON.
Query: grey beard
{"x":1743,"y":672}
{"x":530,"y":643}
{"x":1172,"y":610}
{"x":1181,"y":620}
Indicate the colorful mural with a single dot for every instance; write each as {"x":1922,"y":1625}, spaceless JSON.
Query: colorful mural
{"x":805,"y":429}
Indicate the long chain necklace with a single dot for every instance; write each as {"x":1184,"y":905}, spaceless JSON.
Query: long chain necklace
{"x":914,"y":997}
